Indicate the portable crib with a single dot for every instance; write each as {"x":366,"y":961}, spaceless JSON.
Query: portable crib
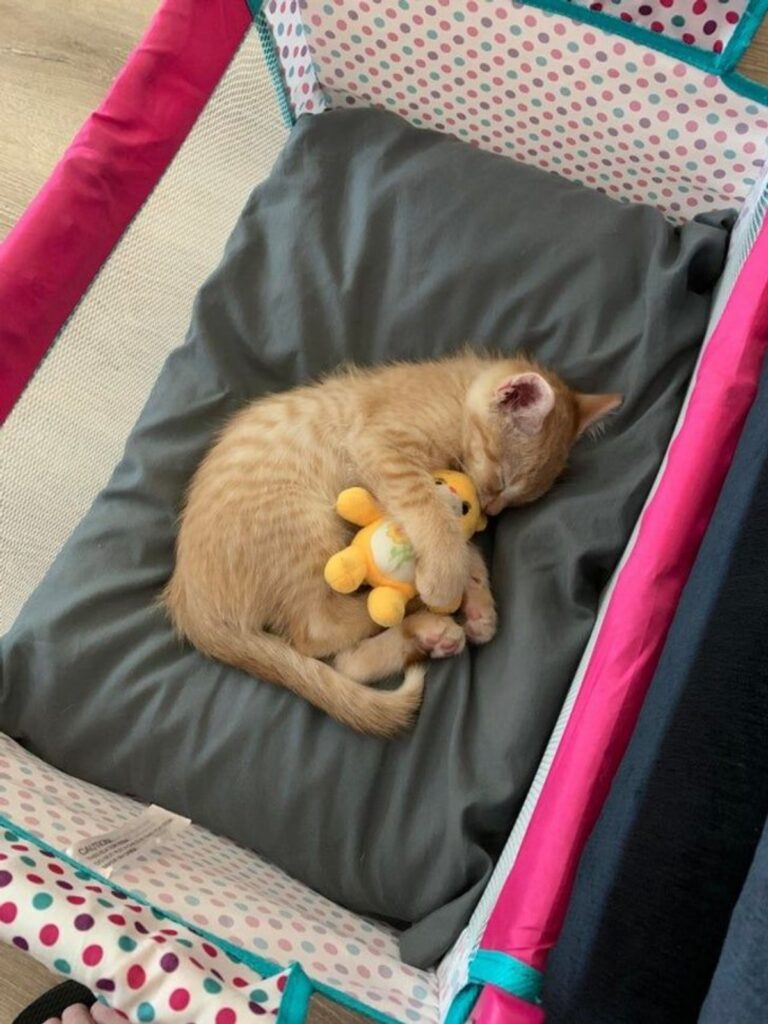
{"x":640,"y":100}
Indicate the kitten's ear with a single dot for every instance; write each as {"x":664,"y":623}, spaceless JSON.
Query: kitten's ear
{"x":525,"y":399}
{"x":592,"y":408}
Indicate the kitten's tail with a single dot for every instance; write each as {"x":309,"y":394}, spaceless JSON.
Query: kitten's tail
{"x":375,"y":712}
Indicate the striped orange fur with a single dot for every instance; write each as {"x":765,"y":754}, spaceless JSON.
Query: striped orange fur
{"x":259,"y":522}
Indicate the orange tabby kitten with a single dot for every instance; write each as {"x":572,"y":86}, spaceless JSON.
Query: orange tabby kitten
{"x":259,"y":522}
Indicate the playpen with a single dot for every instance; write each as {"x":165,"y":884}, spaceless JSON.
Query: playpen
{"x":640,"y":100}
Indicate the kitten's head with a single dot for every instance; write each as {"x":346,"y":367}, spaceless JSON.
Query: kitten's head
{"x":520,"y":424}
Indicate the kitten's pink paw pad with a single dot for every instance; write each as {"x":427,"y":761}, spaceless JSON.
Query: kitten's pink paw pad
{"x":442,"y":643}
{"x":480,"y":621}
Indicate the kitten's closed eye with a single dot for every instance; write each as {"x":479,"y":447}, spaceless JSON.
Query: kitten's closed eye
{"x":522,"y":426}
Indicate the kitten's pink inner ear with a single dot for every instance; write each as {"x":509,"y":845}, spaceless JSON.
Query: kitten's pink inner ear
{"x":592,"y":408}
{"x":526,"y":399}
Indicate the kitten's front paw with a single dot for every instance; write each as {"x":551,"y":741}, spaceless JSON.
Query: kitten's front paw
{"x":480,"y":619}
{"x":441,"y":584}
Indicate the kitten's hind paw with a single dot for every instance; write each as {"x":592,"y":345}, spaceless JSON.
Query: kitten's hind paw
{"x":479,"y":616}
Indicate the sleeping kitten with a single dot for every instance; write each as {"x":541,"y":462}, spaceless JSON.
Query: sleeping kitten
{"x":259,"y":522}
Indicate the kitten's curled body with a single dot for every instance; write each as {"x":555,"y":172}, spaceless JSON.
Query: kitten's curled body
{"x":259,"y":521}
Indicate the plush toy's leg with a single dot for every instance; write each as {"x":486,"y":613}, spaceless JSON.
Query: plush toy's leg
{"x":420,"y":635}
{"x":345,"y":570}
{"x":386,"y":606}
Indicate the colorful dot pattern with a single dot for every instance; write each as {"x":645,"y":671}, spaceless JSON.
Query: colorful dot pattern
{"x":706,"y":24}
{"x":207,"y":882}
{"x":292,"y":47}
{"x":545,"y":90}
{"x":453,"y":969}
{"x":129,"y":957}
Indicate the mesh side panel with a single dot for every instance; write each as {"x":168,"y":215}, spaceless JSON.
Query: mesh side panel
{"x":57,"y":451}
{"x":62,"y":440}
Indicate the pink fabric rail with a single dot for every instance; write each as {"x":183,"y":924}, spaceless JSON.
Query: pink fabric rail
{"x":58,"y":246}
{"x":528,"y":916}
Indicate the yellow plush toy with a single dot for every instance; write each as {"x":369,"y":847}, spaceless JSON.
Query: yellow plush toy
{"x":381,"y":554}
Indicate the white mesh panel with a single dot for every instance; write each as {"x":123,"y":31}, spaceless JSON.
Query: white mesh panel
{"x":58,"y":447}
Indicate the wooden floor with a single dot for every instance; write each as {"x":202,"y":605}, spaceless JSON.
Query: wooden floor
{"x":755,"y":62}
{"x":57,"y":58}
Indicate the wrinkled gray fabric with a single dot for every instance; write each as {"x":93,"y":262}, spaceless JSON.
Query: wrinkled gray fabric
{"x":371,"y":241}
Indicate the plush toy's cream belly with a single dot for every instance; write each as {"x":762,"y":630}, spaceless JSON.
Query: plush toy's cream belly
{"x":391,"y":552}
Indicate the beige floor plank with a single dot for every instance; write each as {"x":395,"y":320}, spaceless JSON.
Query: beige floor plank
{"x":57,"y":60}
{"x":755,"y":61}
{"x":22,"y":980}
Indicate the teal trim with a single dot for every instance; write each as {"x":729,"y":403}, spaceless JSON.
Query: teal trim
{"x":506,"y":972}
{"x":742,"y":37}
{"x":463,"y":1004}
{"x":265,"y":968}
{"x":299,"y":990}
{"x":702,"y":59}
{"x":272,"y":60}
{"x":746,"y":87}
{"x":294,"y":1005}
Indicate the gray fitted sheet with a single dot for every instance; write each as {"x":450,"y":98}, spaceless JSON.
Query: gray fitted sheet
{"x":371,"y":241}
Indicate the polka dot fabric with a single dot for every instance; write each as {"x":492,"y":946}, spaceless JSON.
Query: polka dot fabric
{"x":706,"y":24}
{"x":548,"y":91}
{"x":211,"y":885}
{"x":292,"y":47}
{"x":131,"y":957}
{"x":453,"y":969}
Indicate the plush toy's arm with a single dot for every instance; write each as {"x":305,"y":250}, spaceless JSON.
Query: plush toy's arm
{"x":358,"y":506}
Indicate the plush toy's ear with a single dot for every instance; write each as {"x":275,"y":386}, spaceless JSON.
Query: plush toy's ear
{"x":592,"y":408}
{"x":525,"y":399}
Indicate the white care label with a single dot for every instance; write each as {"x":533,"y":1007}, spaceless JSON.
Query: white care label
{"x":106,"y":851}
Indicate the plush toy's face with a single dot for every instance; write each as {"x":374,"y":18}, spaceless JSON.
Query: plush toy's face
{"x":459,"y":493}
